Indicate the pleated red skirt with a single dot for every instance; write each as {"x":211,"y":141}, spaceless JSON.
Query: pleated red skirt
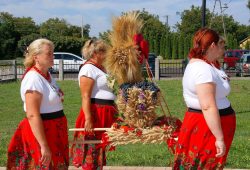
{"x":24,"y":150}
{"x":196,"y":143}
{"x":92,"y":156}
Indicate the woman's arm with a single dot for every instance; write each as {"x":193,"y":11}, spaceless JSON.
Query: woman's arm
{"x":33,"y":101}
{"x":206,"y":96}
{"x":86,"y":86}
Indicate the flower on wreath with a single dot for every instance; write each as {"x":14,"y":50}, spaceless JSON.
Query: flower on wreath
{"x":138,"y":132}
{"x":112,"y":84}
{"x":137,"y":103}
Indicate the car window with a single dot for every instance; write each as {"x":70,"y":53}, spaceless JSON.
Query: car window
{"x":70,"y":57}
{"x":238,"y":54}
{"x":77,"y":59}
{"x":248,"y":59}
{"x":57,"y":56}
{"x":229,"y":54}
{"x":67,"y":57}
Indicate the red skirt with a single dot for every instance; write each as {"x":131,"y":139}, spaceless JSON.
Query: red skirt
{"x":24,"y":150}
{"x":92,"y":156}
{"x":196,"y":143}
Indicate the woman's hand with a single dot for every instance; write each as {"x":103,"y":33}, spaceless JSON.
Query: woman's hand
{"x":86,"y":86}
{"x":33,"y":102}
{"x":46,"y":155}
{"x":88,"y":125}
{"x":220,"y":148}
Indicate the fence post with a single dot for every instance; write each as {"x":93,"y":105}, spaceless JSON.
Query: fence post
{"x":61,"y":74}
{"x":14,"y":63}
{"x":157,"y":69}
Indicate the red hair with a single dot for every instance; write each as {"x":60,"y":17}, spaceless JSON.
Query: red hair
{"x":202,"y":39}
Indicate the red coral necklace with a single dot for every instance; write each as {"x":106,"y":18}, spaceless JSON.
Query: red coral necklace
{"x":95,"y":64}
{"x":47,"y":77}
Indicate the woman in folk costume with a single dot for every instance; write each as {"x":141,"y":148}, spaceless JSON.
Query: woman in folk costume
{"x":41,"y":139}
{"x":97,"y":109}
{"x":209,"y":123}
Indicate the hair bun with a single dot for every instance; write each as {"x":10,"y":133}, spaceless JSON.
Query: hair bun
{"x":195,"y":52}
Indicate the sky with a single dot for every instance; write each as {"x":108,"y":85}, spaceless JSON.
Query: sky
{"x":98,"y":13}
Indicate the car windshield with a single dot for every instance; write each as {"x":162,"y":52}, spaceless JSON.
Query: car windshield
{"x":57,"y":56}
{"x":237,"y":54}
{"x":69,"y":57}
{"x":229,"y":54}
{"x":248,"y":59}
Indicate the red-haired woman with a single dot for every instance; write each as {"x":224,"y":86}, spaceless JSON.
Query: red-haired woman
{"x":209,"y":123}
{"x":41,"y":139}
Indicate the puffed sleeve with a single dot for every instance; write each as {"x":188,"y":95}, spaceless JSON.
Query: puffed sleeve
{"x":32,"y":82}
{"x":203,"y":74}
{"x":88,"y":71}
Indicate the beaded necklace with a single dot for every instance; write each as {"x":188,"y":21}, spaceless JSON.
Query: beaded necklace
{"x":47,"y":77}
{"x":95,"y":64}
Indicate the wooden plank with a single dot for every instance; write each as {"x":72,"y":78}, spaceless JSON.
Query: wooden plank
{"x":95,"y":129}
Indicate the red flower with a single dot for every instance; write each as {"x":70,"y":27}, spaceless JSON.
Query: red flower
{"x":125,"y":129}
{"x":138,"y":132}
{"x":143,"y":47}
{"x":171,"y":144}
{"x":112,"y":148}
{"x":115,"y":125}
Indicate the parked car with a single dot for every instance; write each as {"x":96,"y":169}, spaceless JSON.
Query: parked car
{"x":232,"y":56}
{"x":243,"y":66}
{"x":151,"y":62}
{"x":71,"y":62}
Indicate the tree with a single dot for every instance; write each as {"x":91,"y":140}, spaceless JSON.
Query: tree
{"x":162,"y":46}
{"x":8,"y":41}
{"x":230,"y":41}
{"x":68,"y":44}
{"x":153,"y":30}
{"x":181,"y":46}
{"x":24,"y":42}
{"x":66,"y":37}
{"x":190,"y":23}
{"x":105,"y":36}
{"x":25,"y":26}
{"x":168,"y":46}
{"x":54,"y":27}
{"x":76,"y":31}
{"x":191,"y":20}
{"x":242,"y":32}
{"x":187,"y":45}
{"x":174,"y":46}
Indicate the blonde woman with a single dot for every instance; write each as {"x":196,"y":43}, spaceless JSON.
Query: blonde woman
{"x":41,"y":139}
{"x":97,"y":109}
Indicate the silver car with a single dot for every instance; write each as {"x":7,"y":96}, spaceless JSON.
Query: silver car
{"x":71,"y":62}
{"x":243,"y":66}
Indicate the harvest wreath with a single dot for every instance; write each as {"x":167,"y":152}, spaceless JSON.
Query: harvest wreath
{"x":137,"y":98}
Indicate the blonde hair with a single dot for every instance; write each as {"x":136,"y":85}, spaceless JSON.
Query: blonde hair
{"x":93,"y":46}
{"x":35,"y":48}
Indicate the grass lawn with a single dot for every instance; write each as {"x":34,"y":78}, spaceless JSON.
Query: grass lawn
{"x":11,"y":112}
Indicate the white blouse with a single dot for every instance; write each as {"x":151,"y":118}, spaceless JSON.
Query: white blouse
{"x":51,"y":100}
{"x":200,"y":72}
{"x":100,"y":89}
